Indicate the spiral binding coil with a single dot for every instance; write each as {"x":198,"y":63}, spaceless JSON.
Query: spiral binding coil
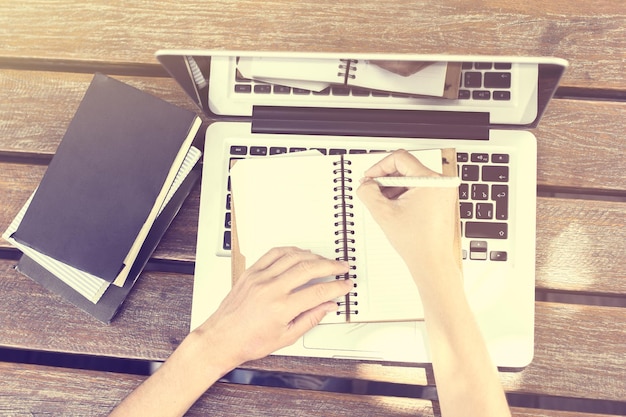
{"x":344,"y":232}
{"x":347,"y":68}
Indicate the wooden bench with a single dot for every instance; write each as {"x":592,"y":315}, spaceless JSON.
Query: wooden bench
{"x":46,"y":64}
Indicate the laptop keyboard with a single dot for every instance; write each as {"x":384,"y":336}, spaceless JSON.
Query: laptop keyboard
{"x":483,"y":197}
{"x":480,"y":81}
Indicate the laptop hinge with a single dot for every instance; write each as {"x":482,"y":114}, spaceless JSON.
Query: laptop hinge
{"x":370,"y":122}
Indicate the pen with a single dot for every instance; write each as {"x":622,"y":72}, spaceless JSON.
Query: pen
{"x":418,"y":181}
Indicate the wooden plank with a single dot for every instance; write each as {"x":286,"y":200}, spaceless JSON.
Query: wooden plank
{"x":34,"y":389}
{"x":111,"y":31}
{"x":38,"y":106}
{"x":574,"y":343}
{"x":578,"y":243}
{"x":577,"y":240}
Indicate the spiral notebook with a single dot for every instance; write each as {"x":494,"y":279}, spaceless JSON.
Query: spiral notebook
{"x":310,"y":202}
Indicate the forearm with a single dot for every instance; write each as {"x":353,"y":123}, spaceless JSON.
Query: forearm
{"x":179,"y":382}
{"x":467,"y":381}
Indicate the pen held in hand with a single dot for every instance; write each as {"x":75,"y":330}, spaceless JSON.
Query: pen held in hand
{"x":432,"y":182}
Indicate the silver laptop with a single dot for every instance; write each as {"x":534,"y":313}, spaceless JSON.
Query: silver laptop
{"x":258,"y":114}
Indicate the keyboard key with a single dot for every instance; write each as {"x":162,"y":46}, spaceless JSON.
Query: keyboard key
{"x":481,"y":95}
{"x":226,"y":245}
{"x":495,"y":173}
{"x":258,"y":150}
{"x":282,"y":89}
{"x":502,"y":65}
{"x":334,"y":151}
{"x":464,"y":191}
{"x":486,"y":230}
{"x":502,"y":95}
{"x":297,"y":149}
{"x":480,"y":157}
{"x":380,"y":94}
{"x":238,"y":150}
{"x":473,"y":80}
{"x":464,"y":94}
{"x":228,"y":202}
{"x":262,"y":88}
{"x":470,"y":172}
{"x":500,"y":194}
{"x":324,"y":92}
{"x":483,"y":65}
{"x":462,"y":157}
{"x":478,"y":250}
{"x":480,"y":192}
{"x":243,"y":88}
{"x":341,"y":91}
{"x":301,"y":92}
{"x":478,"y":246}
{"x":498,"y":256}
{"x":500,"y":158}
{"x":227,"y":221}
{"x":467,"y":65}
{"x":360,"y":92}
{"x":497,"y":80}
{"x":277,"y":150}
{"x":357,"y":151}
{"x":466,"y":210}
{"x":484,"y":211}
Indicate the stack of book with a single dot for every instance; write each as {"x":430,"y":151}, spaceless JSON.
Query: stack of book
{"x":119,"y":177}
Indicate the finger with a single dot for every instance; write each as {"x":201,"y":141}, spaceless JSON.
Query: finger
{"x":306,"y":270}
{"x":294,"y":265}
{"x":275,"y":257}
{"x":400,"y":163}
{"x":313,"y":295}
{"x":309,"y":319}
{"x":370,"y":193}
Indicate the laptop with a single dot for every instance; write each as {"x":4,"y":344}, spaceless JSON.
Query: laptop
{"x":487,"y":120}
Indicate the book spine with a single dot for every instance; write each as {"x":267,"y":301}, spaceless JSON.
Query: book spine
{"x":344,"y":232}
{"x":347,"y":68}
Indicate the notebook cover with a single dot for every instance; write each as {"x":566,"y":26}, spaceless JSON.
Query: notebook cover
{"x":114,"y":296}
{"x":104,"y":178}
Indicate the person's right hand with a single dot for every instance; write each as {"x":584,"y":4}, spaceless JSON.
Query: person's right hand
{"x":419,"y":222}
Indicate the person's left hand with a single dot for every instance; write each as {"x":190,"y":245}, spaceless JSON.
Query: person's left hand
{"x":270,"y":306}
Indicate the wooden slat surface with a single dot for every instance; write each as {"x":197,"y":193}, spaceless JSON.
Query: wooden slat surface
{"x":114,"y":31}
{"x":36,"y":108}
{"x":573,"y":343}
{"x":570,"y":257}
{"x":32,"y":389}
{"x":579,"y":348}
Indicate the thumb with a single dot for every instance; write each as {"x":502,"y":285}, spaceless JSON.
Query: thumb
{"x":309,"y":319}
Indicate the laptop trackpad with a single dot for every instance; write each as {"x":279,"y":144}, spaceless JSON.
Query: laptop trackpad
{"x":388,"y":339}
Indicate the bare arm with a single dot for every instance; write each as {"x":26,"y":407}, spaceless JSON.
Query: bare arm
{"x":420,"y":224}
{"x":267,"y":309}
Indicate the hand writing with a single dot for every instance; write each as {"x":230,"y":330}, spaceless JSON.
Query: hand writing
{"x":419,"y":222}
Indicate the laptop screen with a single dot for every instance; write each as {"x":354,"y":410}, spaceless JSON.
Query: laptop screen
{"x":473,"y":90}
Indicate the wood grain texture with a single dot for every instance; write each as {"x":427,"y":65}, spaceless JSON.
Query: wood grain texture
{"x":39,"y":390}
{"x":573,"y":343}
{"x":36,"y":107}
{"x":592,"y":38}
{"x":578,"y":244}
